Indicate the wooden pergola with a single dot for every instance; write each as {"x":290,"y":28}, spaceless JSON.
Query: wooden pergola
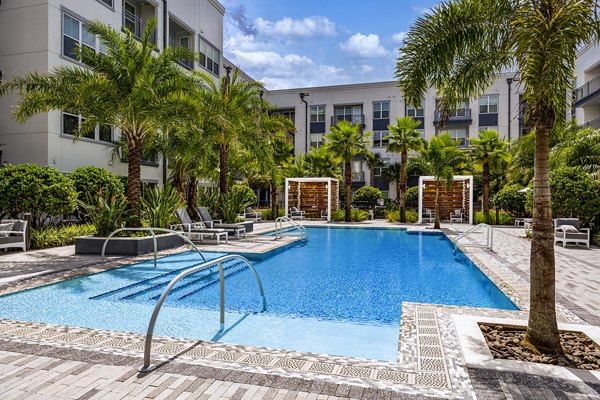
{"x":460,"y":196}
{"x":317,"y":197}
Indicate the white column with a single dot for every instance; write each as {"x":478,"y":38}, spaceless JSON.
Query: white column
{"x":286,"y":199}
{"x":420,"y":200}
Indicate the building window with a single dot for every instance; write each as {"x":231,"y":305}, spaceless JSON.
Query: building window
{"x":352,"y":114}
{"x":381,"y":110}
{"x":422,"y":132}
{"x":210,"y":57}
{"x":75,"y":34}
{"x":485,"y":128}
{"x":459,"y":134}
{"x":412,"y":111}
{"x":459,"y":111}
{"x":71,"y":123}
{"x":107,"y":2}
{"x":317,"y":140}
{"x":317,"y":113}
{"x":382,"y":169}
{"x":488,"y":104}
{"x":379,"y":138}
{"x":289,"y":114}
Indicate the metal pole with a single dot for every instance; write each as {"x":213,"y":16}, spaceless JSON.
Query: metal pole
{"x":221,"y":295}
{"x":154,"y":240}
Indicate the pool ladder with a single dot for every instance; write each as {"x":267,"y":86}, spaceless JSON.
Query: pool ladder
{"x":489,"y":239}
{"x":279,"y":232}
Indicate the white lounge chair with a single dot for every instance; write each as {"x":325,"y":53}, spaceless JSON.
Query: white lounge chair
{"x":197,"y":230}
{"x":569,"y":230}
{"x":13,"y":234}
{"x":457,"y":215}
{"x":429,"y":215}
{"x":296,"y":213}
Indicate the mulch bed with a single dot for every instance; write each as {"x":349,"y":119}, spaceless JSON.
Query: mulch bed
{"x":579,"y":350}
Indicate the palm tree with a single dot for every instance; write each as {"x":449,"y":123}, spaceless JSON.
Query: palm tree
{"x":322,"y":163}
{"x":229,"y":115}
{"x":347,"y":141}
{"x":130,"y":87}
{"x":460,"y":47}
{"x":444,"y":160}
{"x":299,"y":168}
{"x":580,"y":147}
{"x":373,"y":161}
{"x":403,"y":139}
{"x":392,"y":174}
{"x":489,"y":152}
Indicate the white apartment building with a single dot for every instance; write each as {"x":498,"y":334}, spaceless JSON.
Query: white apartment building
{"x":377,"y":105}
{"x":38,"y":35}
{"x":586,"y":100}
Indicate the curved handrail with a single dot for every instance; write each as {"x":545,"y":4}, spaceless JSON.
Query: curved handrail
{"x":279,"y":228}
{"x":151,"y":230}
{"x":147,"y":367}
{"x":490,"y":236}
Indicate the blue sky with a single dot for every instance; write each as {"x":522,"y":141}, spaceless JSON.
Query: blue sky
{"x":299,"y":43}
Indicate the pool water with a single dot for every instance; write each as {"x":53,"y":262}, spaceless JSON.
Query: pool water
{"x":339,"y":293}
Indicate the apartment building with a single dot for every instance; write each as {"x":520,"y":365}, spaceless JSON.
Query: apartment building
{"x":376,"y":105}
{"x":38,"y":35}
{"x":586,"y":99}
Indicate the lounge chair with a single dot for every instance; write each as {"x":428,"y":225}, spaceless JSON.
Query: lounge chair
{"x":197,"y":230}
{"x":295,"y":213}
{"x":456,"y":215}
{"x":205,"y":216}
{"x":429,"y":215}
{"x":251,"y":215}
{"x":569,"y":230}
{"x":13,"y":234}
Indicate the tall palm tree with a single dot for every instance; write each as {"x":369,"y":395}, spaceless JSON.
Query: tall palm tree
{"x":130,"y":87}
{"x":403,"y":139}
{"x":373,"y":161}
{"x":347,"y":141}
{"x":459,"y":48}
{"x":444,"y":160}
{"x":392,"y":174}
{"x":490,"y":152}
{"x":323,"y":163}
{"x":298,"y":168}
{"x":229,"y":115}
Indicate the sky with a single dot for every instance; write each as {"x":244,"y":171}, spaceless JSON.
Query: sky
{"x":305,"y":43}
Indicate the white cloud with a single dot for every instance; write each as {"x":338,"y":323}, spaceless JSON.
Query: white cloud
{"x":421,"y":10}
{"x":397,"y":38}
{"x":364,"y":46}
{"x":305,"y":27}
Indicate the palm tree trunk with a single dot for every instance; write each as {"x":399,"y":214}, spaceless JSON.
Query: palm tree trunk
{"x":134,"y":183}
{"x":274,"y":207}
{"x":436,"y":224}
{"x":224,"y":169}
{"x":192,"y":195}
{"x":372,"y":176}
{"x":403,"y":162}
{"x":542,"y":329}
{"x":486,"y":192}
{"x":348,"y":179}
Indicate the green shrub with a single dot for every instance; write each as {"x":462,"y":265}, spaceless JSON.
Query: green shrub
{"x":268,"y":214}
{"x":246,"y":192}
{"x":393,"y":216}
{"x":368,"y":195}
{"x":234,"y":203}
{"x":92,"y":180}
{"x":575,"y":193}
{"x":159,"y":206}
{"x":412,"y":194}
{"x":511,"y":200}
{"x":411,"y":216}
{"x":504,"y":218}
{"x":56,"y":236}
{"x":356,"y":215}
{"x":106,"y":212}
{"x":209,"y":197}
{"x":596,"y":239}
{"x":42,"y":191}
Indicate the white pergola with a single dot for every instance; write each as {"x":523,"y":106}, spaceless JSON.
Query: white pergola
{"x":328,"y":186}
{"x":467,"y":181}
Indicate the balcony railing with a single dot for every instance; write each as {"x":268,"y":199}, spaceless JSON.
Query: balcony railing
{"x":136,"y":26}
{"x":589,"y":88}
{"x":462,"y":115}
{"x":595,"y":123}
{"x":353,"y":119}
{"x":189,"y":64}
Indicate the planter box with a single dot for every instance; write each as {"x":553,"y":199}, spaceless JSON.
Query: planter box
{"x":120,"y":246}
{"x":249,"y":225}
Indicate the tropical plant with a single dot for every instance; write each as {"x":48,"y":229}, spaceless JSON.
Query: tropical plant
{"x":394,"y":216}
{"x":159,"y":206}
{"x":347,"y":141}
{"x":392,"y":174}
{"x":128,"y":86}
{"x":490,"y":153}
{"x":42,"y":191}
{"x":356,"y":215}
{"x":373,"y":161}
{"x":322,"y":163}
{"x":298,"y":168}
{"x":90,"y":180}
{"x":575,"y":193}
{"x":403,"y":139}
{"x":512,"y":200}
{"x":504,"y":218}
{"x":368,"y":195}
{"x":459,"y":47}
{"x":234,"y":203}
{"x":246,"y":193}
{"x":579,"y":147}
{"x":106,"y":212}
{"x":56,"y":236}
{"x":412,"y":194}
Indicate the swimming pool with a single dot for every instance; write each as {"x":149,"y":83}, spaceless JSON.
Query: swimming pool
{"x":338,"y":293}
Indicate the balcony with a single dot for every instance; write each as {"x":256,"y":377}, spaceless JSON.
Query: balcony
{"x":353,"y":119}
{"x":460,"y":116}
{"x":187,"y":64}
{"x":136,"y":25}
{"x":595,"y":123}
{"x":588,"y":94}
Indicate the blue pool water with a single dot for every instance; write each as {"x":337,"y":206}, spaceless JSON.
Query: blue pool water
{"x":338,"y":293}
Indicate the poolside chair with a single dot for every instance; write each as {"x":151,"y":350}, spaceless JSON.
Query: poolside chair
{"x":456,"y":215}
{"x":295,"y":213}
{"x":569,"y":230}
{"x":197,"y":230}
{"x":251,"y":215}
{"x":13,"y":234}
{"x":205,"y":216}
{"x":428,"y":215}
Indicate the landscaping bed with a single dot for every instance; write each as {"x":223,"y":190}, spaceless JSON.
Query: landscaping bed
{"x":126,"y":246}
{"x":505,"y":343}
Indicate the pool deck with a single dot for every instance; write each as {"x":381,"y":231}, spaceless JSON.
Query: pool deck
{"x":50,"y":361}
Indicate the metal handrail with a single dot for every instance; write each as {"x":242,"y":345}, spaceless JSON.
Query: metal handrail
{"x":490,"y":236}
{"x":147,"y":367}
{"x":151,"y":230}
{"x":295,"y":225}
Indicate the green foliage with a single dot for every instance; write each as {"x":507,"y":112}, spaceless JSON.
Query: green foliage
{"x":393,"y":216}
{"x":412,"y":194}
{"x":92,"y":180}
{"x":321,"y":163}
{"x":234,"y":203}
{"x":159,"y":206}
{"x":367,"y":194}
{"x":56,"y":236}
{"x":246,"y":193}
{"x":411,"y":216}
{"x":106,"y":212}
{"x":575,"y":193}
{"x":356,"y":215}
{"x":209,"y":198}
{"x":504,"y":218}
{"x":511,"y":200}
{"x":346,"y":140}
{"x":42,"y":191}
{"x":268,"y":214}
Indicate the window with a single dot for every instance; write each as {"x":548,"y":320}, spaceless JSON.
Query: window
{"x":107,"y":2}
{"x":379,"y":138}
{"x":459,"y":134}
{"x":352,"y":114}
{"x":289,"y":114}
{"x":485,"y":128}
{"x":411,"y":111}
{"x":317,"y":140}
{"x":488,"y":104}
{"x":210,"y":57}
{"x":71,"y":122}
{"x":422,"y":132}
{"x":317,"y":113}
{"x":459,"y":111}
{"x":75,"y":34}
{"x":381,"y":110}
{"x":385,"y":163}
